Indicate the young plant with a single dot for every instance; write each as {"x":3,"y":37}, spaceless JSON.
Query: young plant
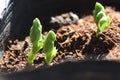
{"x":49,"y":48}
{"x":36,"y":39}
{"x":38,"y":43}
{"x":100,"y":18}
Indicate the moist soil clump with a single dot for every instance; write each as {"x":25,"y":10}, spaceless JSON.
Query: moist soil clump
{"x":75,"y":42}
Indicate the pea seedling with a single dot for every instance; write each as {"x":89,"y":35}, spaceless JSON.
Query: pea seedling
{"x":36,"y":39}
{"x":100,"y":18}
{"x":38,"y":43}
{"x":49,"y":48}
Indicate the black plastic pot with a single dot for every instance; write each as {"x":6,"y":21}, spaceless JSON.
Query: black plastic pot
{"x":17,"y":21}
{"x":86,"y":70}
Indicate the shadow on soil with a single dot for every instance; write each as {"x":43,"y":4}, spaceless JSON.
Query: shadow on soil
{"x":97,"y":48}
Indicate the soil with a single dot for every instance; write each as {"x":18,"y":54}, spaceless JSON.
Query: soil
{"x":75,"y":42}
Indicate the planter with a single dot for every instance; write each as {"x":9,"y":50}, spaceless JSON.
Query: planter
{"x":80,"y":54}
{"x":72,"y":71}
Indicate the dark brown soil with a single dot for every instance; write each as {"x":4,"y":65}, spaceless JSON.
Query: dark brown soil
{"x":75,"y":42}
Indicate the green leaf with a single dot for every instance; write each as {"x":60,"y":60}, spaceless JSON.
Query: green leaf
{"x":36,"y":31}
{"x":50,"y":55}
{"x":98,"y":8}
{"x":103,"y":24}
{"x":49,"y":42}
{"x":99,"y":16}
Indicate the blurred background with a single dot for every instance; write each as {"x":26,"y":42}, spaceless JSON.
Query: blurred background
{"x":3,"y":5}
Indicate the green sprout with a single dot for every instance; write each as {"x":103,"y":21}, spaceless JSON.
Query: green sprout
{"x":36,"y":39}
{"x":100,"y":18}
{"x":49,"y":48}
{"x":38,"y":43}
